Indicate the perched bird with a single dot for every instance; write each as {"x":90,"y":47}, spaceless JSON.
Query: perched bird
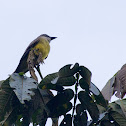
{"x":41,"y":45}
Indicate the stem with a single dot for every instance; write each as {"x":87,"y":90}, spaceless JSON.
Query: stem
{"x":76,"y":91}
{"x":38,"y":69}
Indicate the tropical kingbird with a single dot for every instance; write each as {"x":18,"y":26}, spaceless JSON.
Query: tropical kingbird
{"x":41,"y":45}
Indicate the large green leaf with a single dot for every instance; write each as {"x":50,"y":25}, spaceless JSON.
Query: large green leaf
{"x":39,"y":117}
{"x":1,"y":83}
{"x":55,"y":82}
{"x":121,"y":120}
{"x":118,"y":111}
{"x":66,"y":81}
{"x":52,"y":86}
{"x":68,"y":71}
{"x":83,"y":84}
{"x":61,"y":98}
{"x":98,"y":95}
{"x":122,"y":104}
{"x":12,"y":118}
{"x":85,"y":73}
{"x":8,"y":104}
{"x":106,"y":123}
{"x":89,"y":104}
{"x":67,"y":121}
{"x":60,"y":110}
{"x":6,"y":93}
{"x":60,"y":102}
{"x":48,"y":79}
{"x":119,"y":106}
{"x":47,"y":82}
{"x":80,"y":108}
{"x":80,"y":120}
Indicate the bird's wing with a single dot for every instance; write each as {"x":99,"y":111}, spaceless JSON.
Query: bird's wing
{"x":31,"y":45}
{"x":22,"y":66}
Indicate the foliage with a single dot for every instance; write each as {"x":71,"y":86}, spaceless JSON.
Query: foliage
{"x":116,"y":85}
{"x":78,"y":100}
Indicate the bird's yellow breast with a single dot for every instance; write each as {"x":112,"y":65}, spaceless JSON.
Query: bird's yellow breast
{"x":43,"y":47}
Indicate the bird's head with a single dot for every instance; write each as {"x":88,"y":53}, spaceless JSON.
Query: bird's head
{"x":48,"y":37}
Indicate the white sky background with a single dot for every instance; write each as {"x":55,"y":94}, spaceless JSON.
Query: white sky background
{"x":90,"y":32}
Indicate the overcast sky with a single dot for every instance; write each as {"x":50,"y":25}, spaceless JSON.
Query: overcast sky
{"x":90,"y":32}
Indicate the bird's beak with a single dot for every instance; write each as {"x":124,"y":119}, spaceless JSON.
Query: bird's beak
{"x":53,"y":38}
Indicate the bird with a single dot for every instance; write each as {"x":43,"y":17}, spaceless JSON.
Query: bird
{"x":40,"y":45}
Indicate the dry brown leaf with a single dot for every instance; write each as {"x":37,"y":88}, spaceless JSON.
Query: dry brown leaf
{"x":32,"y":72}
{"x":39,"y":59}
{"x":31,"y":60}
{"x":31,"y":64}
{"x":107,"y":91}
{"x":34,"y":58}
{"x":120,"y":83}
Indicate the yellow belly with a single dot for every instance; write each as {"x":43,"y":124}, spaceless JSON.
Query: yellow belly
{"x":43,"y":47}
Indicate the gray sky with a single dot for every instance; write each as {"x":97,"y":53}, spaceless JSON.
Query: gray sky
{"x":90,"y":32}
